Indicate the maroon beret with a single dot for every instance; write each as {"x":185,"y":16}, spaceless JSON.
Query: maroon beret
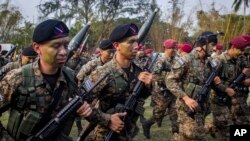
{"x":219,"y":47}
{"x":240,"y":42}
{"x":169,"y":43}
{"x":185,"y":47}
{"x":148,"y":51}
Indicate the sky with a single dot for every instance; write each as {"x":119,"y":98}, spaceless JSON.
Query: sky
{"x":30,"y":13}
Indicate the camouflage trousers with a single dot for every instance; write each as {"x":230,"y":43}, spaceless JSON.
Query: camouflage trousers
{"x":240,"y":110}
{"x":222,"y":119}
{"x":160,"y":104}
{"x":189,"y":129}
{"x":226,"y":115}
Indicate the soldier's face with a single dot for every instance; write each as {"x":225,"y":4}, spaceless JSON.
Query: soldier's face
{"x":127,"y":47}
{"x":201,"y":52}
{"x":54,"y":52}
{"x":107,"y":55}
{"x":236,"y":53}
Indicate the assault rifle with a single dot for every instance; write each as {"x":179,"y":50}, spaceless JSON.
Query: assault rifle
{"x":131,"y":102}
{"x":203,"y":94}
{"x":53,"y":125}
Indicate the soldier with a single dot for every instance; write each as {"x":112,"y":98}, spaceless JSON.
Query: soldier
{"x":28,"y":56}
{"x":161,"y":97}
{"x":39,"y":90}
{"x":229,"y":106}
{"x":115,"y":90}
{"x":106,"y":54}
{"x":184,"y":49}
{"x":148,"y":52}
{"x":76,"y":61}
{"x":217,"y":50}
{"x":184,"y":81}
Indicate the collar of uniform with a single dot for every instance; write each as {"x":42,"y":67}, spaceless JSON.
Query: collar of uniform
{"x":38,"y":73}
{"x":119,"y":68}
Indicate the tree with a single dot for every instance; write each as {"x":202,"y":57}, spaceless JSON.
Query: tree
{"x":10,"y":18}
{"x":237,"y":4}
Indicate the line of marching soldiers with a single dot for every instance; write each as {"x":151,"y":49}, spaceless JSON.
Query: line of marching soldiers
{"x":39,"y":90}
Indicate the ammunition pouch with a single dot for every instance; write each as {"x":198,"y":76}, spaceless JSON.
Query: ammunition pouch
{"x":20,"y":126}
{"x":192,"y":89}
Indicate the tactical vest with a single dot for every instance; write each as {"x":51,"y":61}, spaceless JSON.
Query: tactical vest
{"x":24,"y":115}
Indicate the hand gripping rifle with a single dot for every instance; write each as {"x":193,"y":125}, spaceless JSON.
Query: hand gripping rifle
{"x":131,"y":102}
{"x":77,"y":40}
{"x":53,"y":125}
{"x":203,"y":94}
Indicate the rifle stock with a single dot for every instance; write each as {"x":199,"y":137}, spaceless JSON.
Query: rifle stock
{"x":130,"y":103}
{"x":53,"y":125}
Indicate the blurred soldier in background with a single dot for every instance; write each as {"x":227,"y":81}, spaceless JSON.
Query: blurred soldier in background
{"x":28,"y":56}
{"x":161,"y":97}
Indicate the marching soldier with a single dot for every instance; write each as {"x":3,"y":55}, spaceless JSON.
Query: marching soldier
{"x":28,"y":56}
{"x":185,"y":81}
{"x":116,"y":89}
{"x":106,"y":54}
{"x":39,"y":90}
{"x":229,"y":105}
{"x":161,"y":96}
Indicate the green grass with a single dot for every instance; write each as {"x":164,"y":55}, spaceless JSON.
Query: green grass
{"x":157,"y":134}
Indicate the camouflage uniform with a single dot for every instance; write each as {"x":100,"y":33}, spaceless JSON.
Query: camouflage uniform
{"x":76,"y":63}
{"x":161,"y":97}
{"x":88,"y":68}
{"x":8,"y":67}
{"x":227,"y":111}
{"x":33,"y":102}
{"x":113,"y":93}
{"x":186,"y":78}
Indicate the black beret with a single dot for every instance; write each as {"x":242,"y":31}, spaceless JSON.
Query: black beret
{"x":29,"y":51}
{"x":210,"y":36}
{"x":106,"y":44}
{"x":123,"y":31}
{"x":49,"y":30}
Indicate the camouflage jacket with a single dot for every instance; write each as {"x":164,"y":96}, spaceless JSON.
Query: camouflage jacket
{"x":231,"y":68}
{"x":38,"y":99}
{"x":185,"y":72}
{"x":88,"y":68}
{"x":76,"y":63}
{"x":8,"y":67}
